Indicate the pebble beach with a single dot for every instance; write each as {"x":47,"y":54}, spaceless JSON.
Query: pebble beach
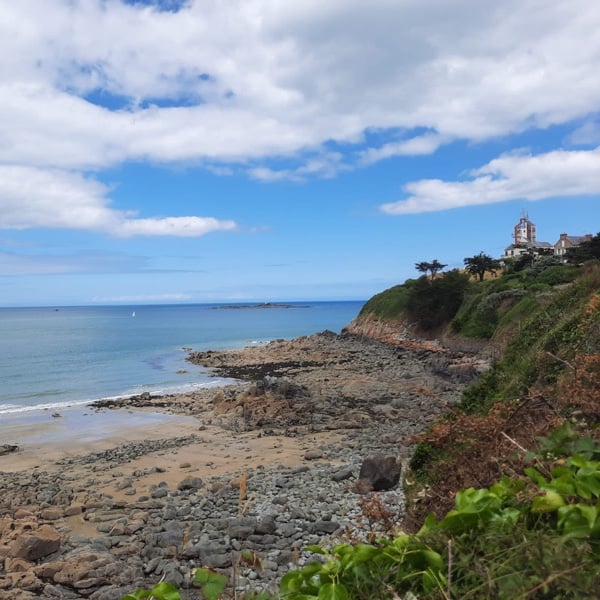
{"x":103,"y":499}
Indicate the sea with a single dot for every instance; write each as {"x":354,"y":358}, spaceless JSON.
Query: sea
{"x":52,"y":357}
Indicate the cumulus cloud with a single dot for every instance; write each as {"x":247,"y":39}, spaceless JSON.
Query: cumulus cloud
{"x":232,"y":85}
{"x":514,"y":176}
{"x":31,"y":197}
{"x":95,"y":83}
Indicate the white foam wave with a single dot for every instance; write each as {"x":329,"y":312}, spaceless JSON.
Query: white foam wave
{"x":12,"y":408}
{"x":56,"y":406}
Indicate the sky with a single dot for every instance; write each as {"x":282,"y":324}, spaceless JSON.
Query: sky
{"x":174,"y":151}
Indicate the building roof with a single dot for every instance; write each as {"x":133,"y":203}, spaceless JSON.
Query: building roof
{"x":575,"y":239}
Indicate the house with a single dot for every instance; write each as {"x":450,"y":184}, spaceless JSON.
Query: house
{"x":567,"y":241}
{"x":525,"y":240}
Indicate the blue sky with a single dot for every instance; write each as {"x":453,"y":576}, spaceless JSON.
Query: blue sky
{"x":254,"y":150}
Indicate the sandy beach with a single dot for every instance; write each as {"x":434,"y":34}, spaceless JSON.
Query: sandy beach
{"x":49,"y":442}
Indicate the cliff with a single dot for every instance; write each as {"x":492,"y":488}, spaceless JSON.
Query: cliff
{"x":542,"y":327}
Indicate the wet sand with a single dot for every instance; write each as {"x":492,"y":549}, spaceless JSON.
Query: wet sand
{"x":43,"y":438}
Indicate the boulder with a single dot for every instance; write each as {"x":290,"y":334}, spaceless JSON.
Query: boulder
{"x":379,"y":473}
{"x":32,"y":545}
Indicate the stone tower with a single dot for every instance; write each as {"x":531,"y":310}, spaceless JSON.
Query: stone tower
{"x":524,"y":230}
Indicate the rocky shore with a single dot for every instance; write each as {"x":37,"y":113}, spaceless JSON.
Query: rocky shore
{"x":276,"y":463}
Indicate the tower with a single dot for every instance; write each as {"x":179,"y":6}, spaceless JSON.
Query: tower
{"x":524,"y":230}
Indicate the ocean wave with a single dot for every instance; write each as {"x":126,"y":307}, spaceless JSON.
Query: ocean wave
{"x":56,"y":406}
{"x":13,"y":408}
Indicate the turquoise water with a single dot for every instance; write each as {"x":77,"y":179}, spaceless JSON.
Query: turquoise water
{"x":55,"y":357}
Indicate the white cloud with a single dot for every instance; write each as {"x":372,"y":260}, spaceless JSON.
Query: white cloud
{"x":268,"y":78}
{"x":515,"y":176}
{"x":325,"y":165}
{"x":32,"y":197}
{"x":422,"y":144}
{"x":178,"y":226}
{"x":232,"y":85}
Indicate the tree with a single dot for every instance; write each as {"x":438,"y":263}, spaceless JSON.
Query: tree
{"x":585,"y":251}
{"x":433,"y":267}
{"x":434,"y":303}
{"x":480,"y":264}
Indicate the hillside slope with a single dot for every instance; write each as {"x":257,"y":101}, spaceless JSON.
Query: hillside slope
{"x":543,"y":326}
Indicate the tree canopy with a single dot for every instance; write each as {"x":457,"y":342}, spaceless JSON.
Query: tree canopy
{"x":433,"y":267}
{"x":480,"y":264}
{"x":586,"y":251}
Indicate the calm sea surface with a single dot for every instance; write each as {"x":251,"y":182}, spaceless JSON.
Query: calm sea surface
{"x":55,"y":357}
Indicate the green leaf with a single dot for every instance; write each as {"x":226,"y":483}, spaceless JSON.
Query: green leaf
{"x":165,"y":591}
{"x":507,"y":516}
{"x":564,"y":485}
{"x":212,"y":583}
{"x":317,"y":549}
{"x":577,"y":520}
{"x":429,"y":524}
{"x":550,"y":502}
{"x":535,"y":476}
{"x":333,"y":591}
{"x":433,"y":580}
{"x":587,"y":483}
{"x":363,"y":553}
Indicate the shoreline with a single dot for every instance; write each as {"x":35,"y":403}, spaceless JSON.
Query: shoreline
{"x":78,"y":430}
{"x":270,"y":465}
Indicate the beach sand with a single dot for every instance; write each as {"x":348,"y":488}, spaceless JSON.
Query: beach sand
{"x":48,"y":442}
{"x":43,"y":438}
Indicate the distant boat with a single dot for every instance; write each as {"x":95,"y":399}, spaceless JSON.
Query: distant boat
{"x":133,"y":314}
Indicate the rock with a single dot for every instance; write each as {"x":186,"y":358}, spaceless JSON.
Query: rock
{"x":266,"y":525}
{"x":51,"y":514}
{"x":7,"y":449}
{"x":342,"y":474}
{"x":313,"y":454}
{"x":36,"y":544}
{"x":379,"y":473}
{"x":17,"y":565}
{"x":324,"y":527}
{"x":74,"y":509}
{"x":190,"y":483}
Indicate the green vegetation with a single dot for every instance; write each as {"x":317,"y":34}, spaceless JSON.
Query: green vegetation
{"x":210,"y":582}
{"x":482,"y":309}
{"x":480,"y":264}
{"x":504,"y":491}
{"x":544,"y":332}
{"x":586,"y":251}
{"x":429,"y":303}
{"x":433,"y":267}
{"x":536,"y":535}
